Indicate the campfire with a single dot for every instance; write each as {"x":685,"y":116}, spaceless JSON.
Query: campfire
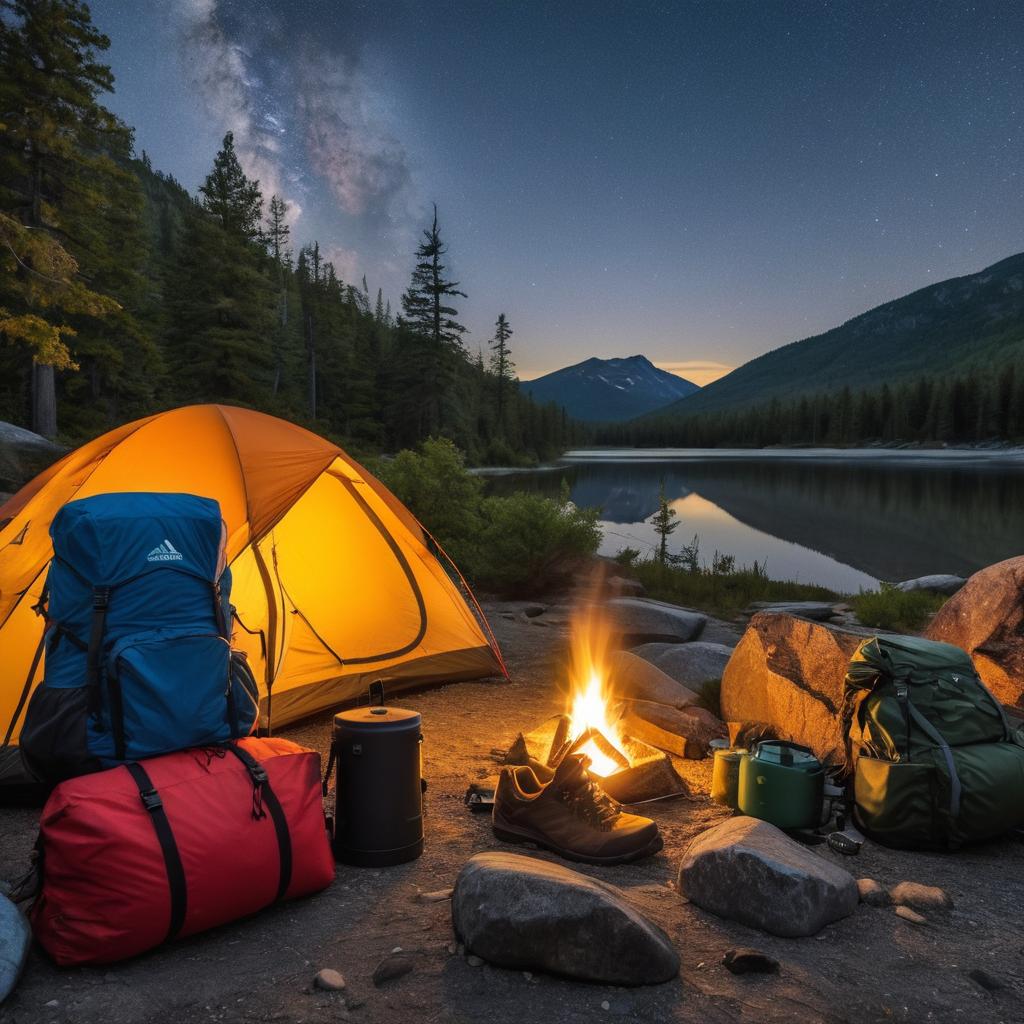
{"x":630,"y":770}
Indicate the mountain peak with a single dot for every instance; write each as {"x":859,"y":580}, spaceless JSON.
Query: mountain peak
{"x":609,"y":390}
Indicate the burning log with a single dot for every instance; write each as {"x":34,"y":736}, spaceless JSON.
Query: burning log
{"x":686,"y":732}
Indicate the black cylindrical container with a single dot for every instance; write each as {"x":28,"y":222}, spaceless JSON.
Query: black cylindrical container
{"x":378,"y":816}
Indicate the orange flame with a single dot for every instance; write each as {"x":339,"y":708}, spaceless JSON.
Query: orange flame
{"x":588,"y":699}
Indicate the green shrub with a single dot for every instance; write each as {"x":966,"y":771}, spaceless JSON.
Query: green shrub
{"x":440,"y":493}
{"x":520,"y":544}
{"x":722,"y":593}
{"x":530,"y":543}
{"x":900,"y":611}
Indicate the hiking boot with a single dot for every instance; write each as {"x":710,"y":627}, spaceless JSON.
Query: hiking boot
{"x":570,"y":815}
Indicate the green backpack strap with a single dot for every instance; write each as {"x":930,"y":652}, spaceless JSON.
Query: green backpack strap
{"x":903,"y":694}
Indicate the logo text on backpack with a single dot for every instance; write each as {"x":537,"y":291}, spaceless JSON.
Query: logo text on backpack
{"x":166,"y":552}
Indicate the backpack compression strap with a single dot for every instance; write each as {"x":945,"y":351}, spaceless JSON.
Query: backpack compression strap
{"x":100,"y":603}
{"x":168,"y":847}
{"x":903,"y":693}
{"x":262,"y":791}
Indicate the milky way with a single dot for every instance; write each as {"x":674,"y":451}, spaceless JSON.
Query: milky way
{"x":698,"y":182}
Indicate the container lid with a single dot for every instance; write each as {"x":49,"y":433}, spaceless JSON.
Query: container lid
{"x":788,"y":756}
{"x":377,"y":716}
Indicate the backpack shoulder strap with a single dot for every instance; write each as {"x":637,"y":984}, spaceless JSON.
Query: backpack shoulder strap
{"x":100,"y":603}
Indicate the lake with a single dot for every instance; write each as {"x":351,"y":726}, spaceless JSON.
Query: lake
{"x":843,"y":519}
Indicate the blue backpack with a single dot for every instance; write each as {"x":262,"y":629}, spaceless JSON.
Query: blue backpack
{"x":138,"y":652}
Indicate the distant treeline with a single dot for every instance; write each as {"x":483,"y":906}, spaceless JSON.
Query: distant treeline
{"x":973,"y":406}
{"x":121,"y":294}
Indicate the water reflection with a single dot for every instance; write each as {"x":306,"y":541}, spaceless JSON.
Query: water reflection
{"x":842,"y":522}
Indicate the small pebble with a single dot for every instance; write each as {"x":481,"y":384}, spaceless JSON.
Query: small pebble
{"x":910,"y":915}
{"x":985,"y":980}
{"x":749,"y":961}
{"x":397,"y":949}
{"x":53,"y":1003}
{"x":920,"y":897}
{"x":390,"y":968}
{"x":453,"y":948}
{"x":329,"y":980}
{"x":606,"y":1005}
{"x":528,"y":975}
{"x":474,"y":961}
{"x":436,"y":897}
{"x":872,"y":893}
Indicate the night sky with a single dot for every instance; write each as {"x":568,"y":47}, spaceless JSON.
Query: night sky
{"x":699,"y":182}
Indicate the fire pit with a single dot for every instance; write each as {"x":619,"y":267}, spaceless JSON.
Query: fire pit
{"x":630,"y":770}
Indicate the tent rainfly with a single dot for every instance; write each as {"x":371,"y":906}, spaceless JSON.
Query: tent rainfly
{"x":335,"y":583}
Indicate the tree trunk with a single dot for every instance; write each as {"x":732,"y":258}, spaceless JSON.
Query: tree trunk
{"x":44,"y":400}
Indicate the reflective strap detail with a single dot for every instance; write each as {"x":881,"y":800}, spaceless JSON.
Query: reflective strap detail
{"x":264,"y":791}
{"x":936,"y":737}
{"x":165,"y":836}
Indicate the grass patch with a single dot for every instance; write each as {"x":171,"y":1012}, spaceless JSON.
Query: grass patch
{"x":724,"y":594}
{"x":900,"y":611}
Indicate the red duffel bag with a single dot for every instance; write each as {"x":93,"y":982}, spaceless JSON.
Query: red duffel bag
{"x":151,"y":851}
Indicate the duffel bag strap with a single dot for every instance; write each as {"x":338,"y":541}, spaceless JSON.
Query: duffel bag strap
{"x":165,"y":836}
{"x":263,"y":792}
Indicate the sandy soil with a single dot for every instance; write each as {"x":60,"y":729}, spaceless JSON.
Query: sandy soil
{"x":873,"y":966}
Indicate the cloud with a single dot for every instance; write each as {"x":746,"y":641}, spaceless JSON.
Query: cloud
{"x":346,"y":263}
{"x":699,"y":371}
{"x":222,"y":71}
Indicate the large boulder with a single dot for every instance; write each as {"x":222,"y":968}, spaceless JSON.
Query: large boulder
{"x":986,"y":619}
{"x":15,"y":941}
{"x":691,"y":665}
{"x":530,"y":914}
{"x":23,"y":455}
{"x":752,"y":872}
{"x":937,"y":584}
{"x":631,"y":675}
{"x":788,"y":673}
{"x":638,"y":619}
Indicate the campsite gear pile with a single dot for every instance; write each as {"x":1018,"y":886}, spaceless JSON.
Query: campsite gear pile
{"x":335,"y":583}
{"x":170,"y":819}
{"x":934,"y":760}
{"x":378,"y":797}
{"x":565,"y":810}
{"x":781,"y":782}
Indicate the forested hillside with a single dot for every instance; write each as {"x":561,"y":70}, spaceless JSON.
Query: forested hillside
{"x":122,"y":294}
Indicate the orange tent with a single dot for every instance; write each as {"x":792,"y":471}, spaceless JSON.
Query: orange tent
{"x":335,"y":582}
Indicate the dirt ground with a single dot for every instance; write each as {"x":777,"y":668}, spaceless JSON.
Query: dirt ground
{"x":872,"y":966}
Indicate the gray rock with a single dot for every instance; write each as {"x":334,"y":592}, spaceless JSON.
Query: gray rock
{"x":750,"y":871}
{"x":819,"y":611}
{"x":531,"y":609}
{"x":788,"y":673}
{"x":920,"y":897}
{"x":639,"y":619}
{"x":632,"y":675}
{"x":872,"y":893}
{"x":329,"y":980}
{"x":692,"y":664}
{"x":529,"y":914}
{"x":15,"y":940}
{"x":938,"y":584}
{"x":391,"y":967}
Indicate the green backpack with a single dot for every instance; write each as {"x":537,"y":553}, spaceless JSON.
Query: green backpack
{"x":934,"y":760}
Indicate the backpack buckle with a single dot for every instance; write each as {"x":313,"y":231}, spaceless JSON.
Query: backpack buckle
{"x":101,"y":597}
{"x":151,"y":800}
{"x":258,"y":774}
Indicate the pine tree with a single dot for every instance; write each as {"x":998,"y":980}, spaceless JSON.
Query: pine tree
{"x":58,"y":174}
{"x":664,"y":523}
{"x":502,"y":367}
{"x":276,"y":239}
{"x":428,"y":316}
{"x":231,"y":197}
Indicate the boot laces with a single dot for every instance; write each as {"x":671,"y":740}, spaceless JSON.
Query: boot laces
{"x":587,"y":800}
